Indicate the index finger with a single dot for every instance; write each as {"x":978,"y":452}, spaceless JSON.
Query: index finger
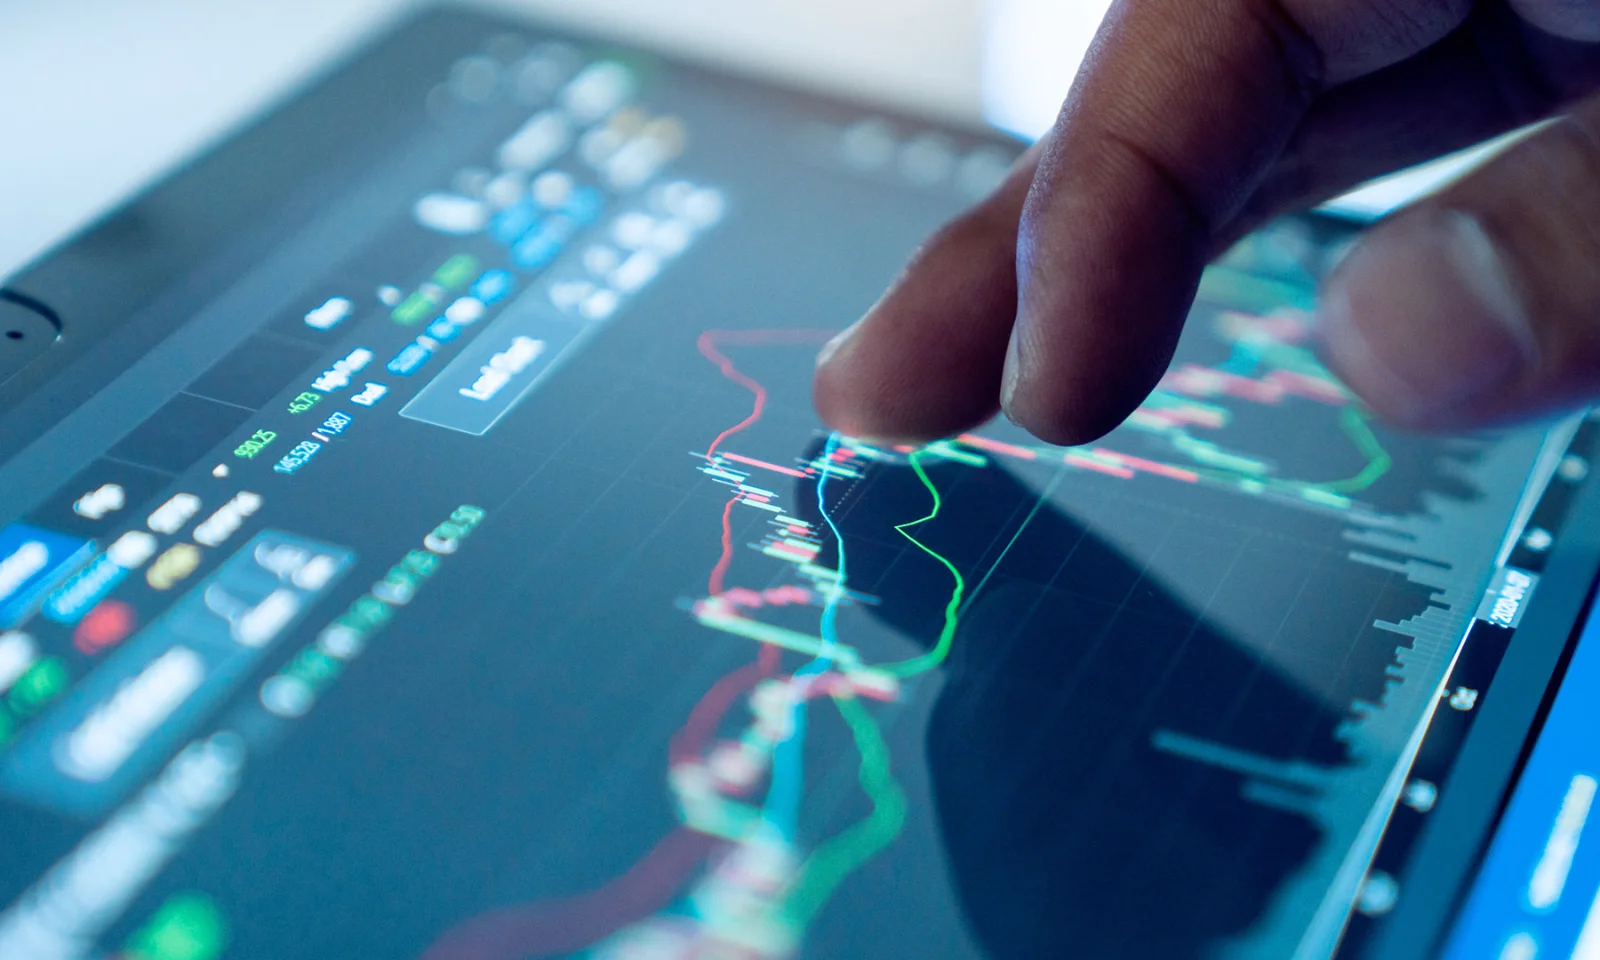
{"x":1179,"y":110}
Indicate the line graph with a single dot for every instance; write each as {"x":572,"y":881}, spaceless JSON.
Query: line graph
{"x":952,"y":610}
{"x":712,"y":775}
{"x":826,"y":868}
{"x":763,"y":869}
{"x":1269,"y":363}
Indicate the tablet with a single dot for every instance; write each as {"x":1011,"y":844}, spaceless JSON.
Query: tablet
{"x":417,"y":542}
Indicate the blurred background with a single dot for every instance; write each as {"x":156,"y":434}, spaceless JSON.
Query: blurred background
{"x":102,"y":96}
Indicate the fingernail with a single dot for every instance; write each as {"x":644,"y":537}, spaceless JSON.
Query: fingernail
{"x":1009,"y":378}
{"x":832,"y":346}
{"x":1424,"y":320}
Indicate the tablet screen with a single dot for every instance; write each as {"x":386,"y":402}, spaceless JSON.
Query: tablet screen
{"x":466,"y":575}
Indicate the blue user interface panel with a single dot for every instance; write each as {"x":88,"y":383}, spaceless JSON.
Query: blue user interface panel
{"x":1539,"y":891}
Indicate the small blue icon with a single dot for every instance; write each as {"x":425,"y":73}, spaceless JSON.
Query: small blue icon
{"x":443,"y":330}
{"x":84,"y":590}
{"x":409,"y":360}
{"x":536,"y":251}
{"x":493,"y":286}
{"x":584,"y":205}
{"x":512,"y":223}
{"x":32,"y":561}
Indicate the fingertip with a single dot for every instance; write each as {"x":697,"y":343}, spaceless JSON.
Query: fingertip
{"x":869,"y":383}
{"x":1094,"y":334}
{"x":848,"y":400}
{"x":925,"y":362}
{"x":1062,"y":409}
{"x":1423,"y":322}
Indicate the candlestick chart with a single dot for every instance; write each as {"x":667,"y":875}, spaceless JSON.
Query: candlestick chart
{"x":1234,"y":609}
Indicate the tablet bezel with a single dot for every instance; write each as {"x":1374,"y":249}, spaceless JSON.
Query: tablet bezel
{"x":190,"y":233}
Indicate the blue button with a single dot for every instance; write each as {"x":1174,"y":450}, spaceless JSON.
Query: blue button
{"x":84,"y":590}
{"x":443,"y":330}
{"x":536,"y":251}
{"x":213,"y":648}
{"x":493,"y":286}
{"x":409,"y":360}
{"x":584,"y":205}
{"x":32,"y":561}
{"x":510,"y":224}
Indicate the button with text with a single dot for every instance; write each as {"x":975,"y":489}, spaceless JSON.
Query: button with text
{"x":498,"y":370}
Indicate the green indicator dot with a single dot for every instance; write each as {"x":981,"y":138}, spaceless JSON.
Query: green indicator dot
{"x":187,"y":927}
{"x":414,"y":309}
{"x":400,"y":582}
{"x":314,"y":667}
{"x":421,"y":563}
{"x":456,"y":271}
{"x":369,"y":613}
{"x":43,"y":682}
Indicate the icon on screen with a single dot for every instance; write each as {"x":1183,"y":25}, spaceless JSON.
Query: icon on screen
{"x":104,"y":627}
{"x":227,"y":520}
{"x":18,"y":653}
{"x":31,"y":562}
{"x":171,"y":516}
{"x":493,"y":286}
{"x":409,"y":360}
{"x":132,"y":549}
{"x":84,"y":591}
{"x":177,"y":563}
{"x":330,"y":314}
{"x":371,"y":395}
{"x":114,"y":730}
{"x":451,"y":214}
{"x":96,"y":504}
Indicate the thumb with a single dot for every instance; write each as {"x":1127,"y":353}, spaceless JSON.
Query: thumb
{"x":1480,"y":305}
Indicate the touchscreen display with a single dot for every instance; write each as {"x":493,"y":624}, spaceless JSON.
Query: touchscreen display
{"x":468,"y":578}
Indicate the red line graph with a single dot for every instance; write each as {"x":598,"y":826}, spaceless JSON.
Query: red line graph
{"x":716,"y":584}
{"x":556,"y":927}
{"x":688,"y":742}
{"x":552,"y":928}
{"x":708,"y":344}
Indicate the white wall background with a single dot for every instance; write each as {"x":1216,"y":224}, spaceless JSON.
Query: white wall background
{"x":100,"y":96}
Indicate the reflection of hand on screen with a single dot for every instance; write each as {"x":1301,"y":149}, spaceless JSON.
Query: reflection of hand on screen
{"x":1072,"y":751}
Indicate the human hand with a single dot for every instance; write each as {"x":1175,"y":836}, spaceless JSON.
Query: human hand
{"x":1061,"y":297}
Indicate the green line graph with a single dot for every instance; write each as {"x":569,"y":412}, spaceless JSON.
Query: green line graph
{"x":952,"y":610}
{"x":841,"y":856}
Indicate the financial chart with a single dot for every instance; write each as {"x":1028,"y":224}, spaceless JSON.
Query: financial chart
{"x":499,"y":596}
